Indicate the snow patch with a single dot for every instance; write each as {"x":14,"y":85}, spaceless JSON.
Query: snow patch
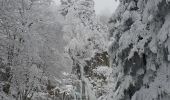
{"x":168,"y":57}
{"x":103,"y":70}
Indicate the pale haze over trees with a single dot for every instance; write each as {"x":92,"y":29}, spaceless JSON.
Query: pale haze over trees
{"x":84,"y":49}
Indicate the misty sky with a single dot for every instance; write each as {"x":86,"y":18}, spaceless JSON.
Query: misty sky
{"x":105,"y":6}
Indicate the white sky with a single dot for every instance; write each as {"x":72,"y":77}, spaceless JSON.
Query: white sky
{"x":57,"y":2}
{"x":103,"y":6}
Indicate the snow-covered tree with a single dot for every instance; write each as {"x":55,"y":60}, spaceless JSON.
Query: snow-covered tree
{"x":139,"y":31}
{"x":82,"y":30}
{"x":85,"y":37}
{"x":31,"y":46}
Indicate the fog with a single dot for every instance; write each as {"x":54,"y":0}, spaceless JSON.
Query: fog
{"x":105,"y":7}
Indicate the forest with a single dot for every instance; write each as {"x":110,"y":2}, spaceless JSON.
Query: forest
{"x":68,"y":52}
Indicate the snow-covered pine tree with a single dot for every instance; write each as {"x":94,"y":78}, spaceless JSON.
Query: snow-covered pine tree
{"x":141,"y":50}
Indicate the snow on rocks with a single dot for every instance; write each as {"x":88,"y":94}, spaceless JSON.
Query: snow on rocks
{"x":103,"y":70}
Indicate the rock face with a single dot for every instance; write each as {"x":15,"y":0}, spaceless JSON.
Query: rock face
{"x":140,"y":50}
